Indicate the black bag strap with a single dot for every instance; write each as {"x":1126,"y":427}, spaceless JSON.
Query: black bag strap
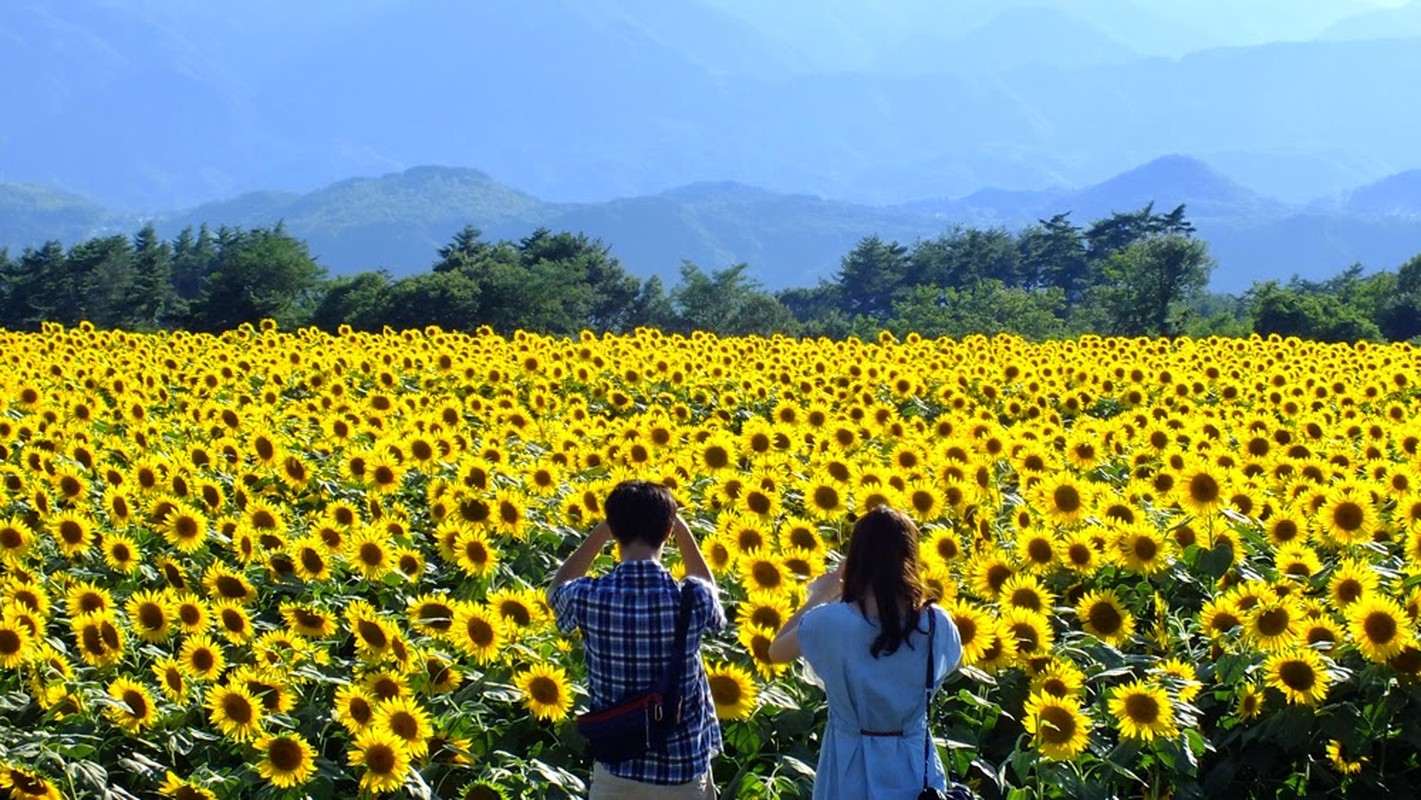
{"x":671,"y":678}
{"x":928,"y":695}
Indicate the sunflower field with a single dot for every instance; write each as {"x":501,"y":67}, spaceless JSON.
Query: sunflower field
{"x":280,"y":565}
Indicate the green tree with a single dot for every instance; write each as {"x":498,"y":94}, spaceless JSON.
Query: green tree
{"x":1308,"y":314}
{"x":987,"y":307}
{"x":450,"y":299}
{"x":151,"y":298}
{"x":589,"y":284}
{"x":361,"y":301}
{"x":260,"y":273}
{"x":870,"y":275}
{"x":727,"y":302}
{"x":1053,"y":253}
{"x":101,"y":278}
{"x":194,"y":258}
{"x":1150,"y":285}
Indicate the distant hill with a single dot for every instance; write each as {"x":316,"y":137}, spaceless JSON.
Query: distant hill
{"x":1383,"y":23}
{"x":32,"y":215}
{"x":1398,"y":195}
{"x":164,"y":104}
{"x":397,"y":221}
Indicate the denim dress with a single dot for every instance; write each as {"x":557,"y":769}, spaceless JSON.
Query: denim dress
{"x":873,"y":744}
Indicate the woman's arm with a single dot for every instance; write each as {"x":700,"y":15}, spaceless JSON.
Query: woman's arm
{"x":824,"y":589}
{"x":581,"y":559}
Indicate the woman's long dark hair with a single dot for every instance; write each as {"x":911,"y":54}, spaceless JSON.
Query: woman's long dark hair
{"x":883,"y":561}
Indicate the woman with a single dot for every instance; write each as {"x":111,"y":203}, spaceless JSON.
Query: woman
{"x":870,"y":650}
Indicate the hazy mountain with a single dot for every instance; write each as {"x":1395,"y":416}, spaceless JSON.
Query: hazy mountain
{"x":162,"y":104}
{"x":1014,"y":39}
{"x":397,"y":221}
{"x":1399,"y":195}
{"x":31,"y":215}
{"x":1383,"y":23}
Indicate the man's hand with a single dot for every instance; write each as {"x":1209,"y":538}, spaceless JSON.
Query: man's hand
{"x":690,"y":551}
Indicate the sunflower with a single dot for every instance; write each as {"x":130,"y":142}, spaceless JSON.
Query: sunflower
{"x":1297,"y":561}
{"x":1379,"y":626}
{"x":235,"y":712}
{"x":757,"y":642}
{"x":373,"y":636}
{"x":440,"y":675}
{"x":151,"y":615}
{"x":733,"y":691}
{"x":1143,"y":548}
{"x":1299,"y":674}
{"x":797,"y":533}
{"x":287,"y":759}
{"x":27,"y":785}
{"x":804,"y":564}
{"x":85,"y":598}
{"x":1273,"y":623}
{"x":132,"y":708}
{"x":1351,"y":580}
{"x":171,"y":679}
{"x":1181,"y":675}
{"x":307,"y":621}
{"x":1142,"y":711}
{"x":369,"y":554}
{"x":355,"y":708}
{"x":17,"y":644}
{"x":1031,"y":630}
{"x":943,"y":545}
{"x":1200,"y":490}
{"x":478,"y":632}
{"x":229,"y":586}
{"x":519,"y":608}
{"x":432,"y":614}
{"x":101,"y":641}
{"x":1286,"y":527}
{"x":1103,"y":616}
{"x":233,"y":622}
{"x":825,"y":498}
{"x":1249,"y":702}
{"x":404,"y":719}
{"x":999,"y":650}
{"x":1059,"y":678}
{"x":202,"y":658}
{"x":475,"y":554}
{"x":1060,"y":729}
{"x":765,"y":609}
{"x":545,"y":691}
{"x":185,"y":528}
{"x":72,"y":531}
{"x":1062,"y":498}
{"x":310,"y":558}
{"x":121,"y":552}
{"x":988,"y":573}
{"x":1339,"y":760}
{"x":764,"y":572}
{"x":1079,"y":553}
{"x":386,"y":762}
{"x":1347,"y":517}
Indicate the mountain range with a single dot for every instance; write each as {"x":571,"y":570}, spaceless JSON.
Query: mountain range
{"x":397,"y":220}
{"x":153,"y":105}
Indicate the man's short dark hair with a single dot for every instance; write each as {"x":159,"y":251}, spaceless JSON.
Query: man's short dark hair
{"x":640,"y":511}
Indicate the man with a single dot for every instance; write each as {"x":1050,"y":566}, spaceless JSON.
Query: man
{"x":628,"y":622}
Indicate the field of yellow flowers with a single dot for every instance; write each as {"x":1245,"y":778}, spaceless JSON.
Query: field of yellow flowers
{"x":274,"y":564}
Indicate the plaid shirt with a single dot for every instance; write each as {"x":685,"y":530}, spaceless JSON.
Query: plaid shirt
{"x":628,"y":622}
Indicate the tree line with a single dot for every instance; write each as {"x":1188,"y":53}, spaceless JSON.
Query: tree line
{"x":1142,"y":272}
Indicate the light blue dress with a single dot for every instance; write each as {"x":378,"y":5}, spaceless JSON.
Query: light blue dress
{"x":874,"y":694}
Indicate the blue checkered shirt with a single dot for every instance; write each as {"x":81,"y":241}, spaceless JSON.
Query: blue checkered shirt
{"x":628,"y":622}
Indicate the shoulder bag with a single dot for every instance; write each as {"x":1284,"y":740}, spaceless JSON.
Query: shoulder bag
{"x":640,"y":724}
